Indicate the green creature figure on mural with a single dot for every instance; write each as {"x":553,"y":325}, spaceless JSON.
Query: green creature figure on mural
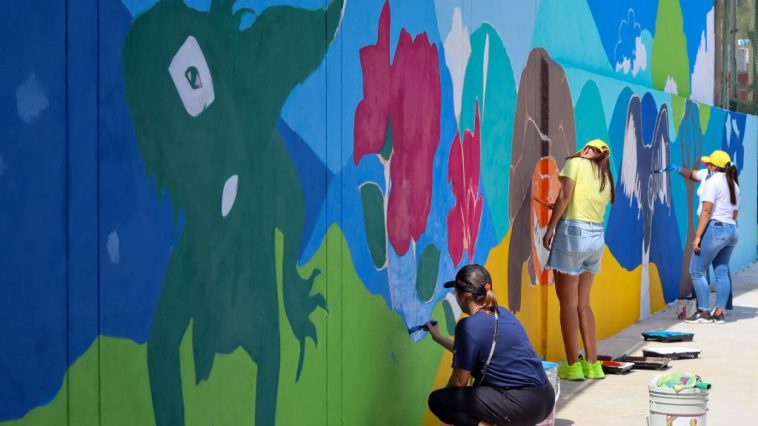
{"x":204,"y":97}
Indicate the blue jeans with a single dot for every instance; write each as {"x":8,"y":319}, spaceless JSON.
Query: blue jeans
{"x":716,"y":248}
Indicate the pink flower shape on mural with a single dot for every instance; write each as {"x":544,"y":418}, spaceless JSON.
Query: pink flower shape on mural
{"x":403,"y":97}
{"x":463,"y":171}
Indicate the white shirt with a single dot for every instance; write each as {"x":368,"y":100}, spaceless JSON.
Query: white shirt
{"x":715,"y":189}
{"x":700,"y":175}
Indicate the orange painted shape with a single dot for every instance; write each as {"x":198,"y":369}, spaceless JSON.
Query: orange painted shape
{"x":545,"y":188}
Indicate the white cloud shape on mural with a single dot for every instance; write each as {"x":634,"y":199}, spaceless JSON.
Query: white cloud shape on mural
{"x":113,"y":246}
{"x":31,"y":99}
{"x":630,"y":181}
{"x":630,"y":52}
{"x":229,"y":195}
{"x":641,"y":57}
{"x":192,"y":78}
{"x":457,"y":53}
{"x":671,"y":86}
{"x":702,"y":73}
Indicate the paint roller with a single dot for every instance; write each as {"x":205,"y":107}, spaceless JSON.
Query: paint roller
{"x":421,"y":327}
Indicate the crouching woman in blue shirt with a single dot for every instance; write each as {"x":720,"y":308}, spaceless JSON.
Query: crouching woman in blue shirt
{"x":510,"y":386}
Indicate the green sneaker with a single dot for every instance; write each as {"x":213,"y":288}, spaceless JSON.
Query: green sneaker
{"x":570,"y":371}
{"x":592,"y":371}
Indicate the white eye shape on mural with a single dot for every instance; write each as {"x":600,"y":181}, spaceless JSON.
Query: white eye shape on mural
{"x":192,"y":78}
{"x":229,"y":195}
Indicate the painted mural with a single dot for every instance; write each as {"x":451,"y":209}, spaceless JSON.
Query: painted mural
{"x":233,"y":211}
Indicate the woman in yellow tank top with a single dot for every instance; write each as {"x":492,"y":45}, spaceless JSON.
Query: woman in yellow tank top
{"x":575,"y":238}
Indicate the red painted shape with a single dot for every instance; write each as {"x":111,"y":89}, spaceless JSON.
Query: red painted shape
{"x":406,"y":92}
{"x":463,"y":172}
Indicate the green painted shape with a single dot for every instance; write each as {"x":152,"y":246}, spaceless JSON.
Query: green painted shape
{"x":387,"y":148}
{"x":227,"y":396}
{"x":372,"y":201}
{"x":426,"y":276}
{"x":125,"y":386}
{"x":84,"y":383}
{"x":497,"y":107}
{"x":221,"y":275}
{"x":669,"y":55}
{"x":590,"y":123}
{"x":705,"y":116}
{"x":449,"y":318}
{"x":122,"y":399}
{"x":590,"y":117}
{"x":677,"y":110}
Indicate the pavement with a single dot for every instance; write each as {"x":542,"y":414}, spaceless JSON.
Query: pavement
{"x":728,"y":359}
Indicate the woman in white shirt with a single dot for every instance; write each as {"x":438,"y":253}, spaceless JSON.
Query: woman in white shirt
{"x":716,"y":234}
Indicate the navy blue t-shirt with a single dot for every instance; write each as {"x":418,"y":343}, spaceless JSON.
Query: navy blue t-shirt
{"x":514,"y":363}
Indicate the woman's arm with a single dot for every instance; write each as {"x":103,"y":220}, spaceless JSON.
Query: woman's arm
{"x":459,"y":379}
{"x":734,"y":215}
{"x":567,"y":189}
{"x":434,"y":330}
{"x":702,"y":223}
{"x":688,"y":173}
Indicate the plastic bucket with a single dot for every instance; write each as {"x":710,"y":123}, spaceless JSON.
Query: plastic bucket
{"x":668,"y":407}
{"x":551,"y":369}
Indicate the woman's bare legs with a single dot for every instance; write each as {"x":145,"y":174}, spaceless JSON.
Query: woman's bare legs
{"x":586,"y":317}
{"x":567,"y":289}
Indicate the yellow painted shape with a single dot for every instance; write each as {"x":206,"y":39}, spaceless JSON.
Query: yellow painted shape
{"x":615,"y":301}
{"x":657,"y":302}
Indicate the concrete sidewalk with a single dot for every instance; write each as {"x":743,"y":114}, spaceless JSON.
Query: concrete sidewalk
{"x":728,"y":360}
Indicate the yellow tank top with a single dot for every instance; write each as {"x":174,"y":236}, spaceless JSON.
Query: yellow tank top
{"x":587,"y":202}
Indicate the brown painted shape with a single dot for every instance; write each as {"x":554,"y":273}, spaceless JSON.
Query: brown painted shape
{"x":543,"y":126}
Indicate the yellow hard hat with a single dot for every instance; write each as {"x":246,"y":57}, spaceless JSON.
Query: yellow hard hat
{"x":718,"y":158}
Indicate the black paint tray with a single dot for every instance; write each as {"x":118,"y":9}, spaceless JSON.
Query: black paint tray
{"x":640,"y":362}
{"x":646,"y":362}
{"x":668,"y":336}
{"x":671,"y":352}
{"x":617,"y":367}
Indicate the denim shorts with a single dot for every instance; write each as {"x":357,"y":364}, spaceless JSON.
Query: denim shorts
{"x":577,"y":247}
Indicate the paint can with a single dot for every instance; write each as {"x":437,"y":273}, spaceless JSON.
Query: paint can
{"x":551,"y":369}
{"x":669,"y":407}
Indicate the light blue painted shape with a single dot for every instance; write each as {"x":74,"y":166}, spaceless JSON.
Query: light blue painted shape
{"x":566,"y":29}
{"x":138,"y":7}
{"x":745,"y":252}
{"x":31,"y":100}
{"x":514,"y":23}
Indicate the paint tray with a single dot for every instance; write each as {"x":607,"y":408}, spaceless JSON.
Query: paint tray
{"x":673,"y":352}
{"x":617,"y":367}
{"x":668,"y":336}
{"x":640,"y":362}
{"x":645,"y":362}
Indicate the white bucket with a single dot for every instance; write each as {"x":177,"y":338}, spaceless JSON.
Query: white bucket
{"x":551,"y":369}
{"x":668,"y":407}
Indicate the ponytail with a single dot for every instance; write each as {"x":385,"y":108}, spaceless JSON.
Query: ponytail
{"x":605,"y":174}
{"x":490,"y":301}
{"x":732,"y":179}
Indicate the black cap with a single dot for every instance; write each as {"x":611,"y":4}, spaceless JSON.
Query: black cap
{"x":471,"y":279}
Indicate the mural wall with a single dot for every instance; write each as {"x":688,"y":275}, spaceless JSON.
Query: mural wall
{"x":232,"y":211}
